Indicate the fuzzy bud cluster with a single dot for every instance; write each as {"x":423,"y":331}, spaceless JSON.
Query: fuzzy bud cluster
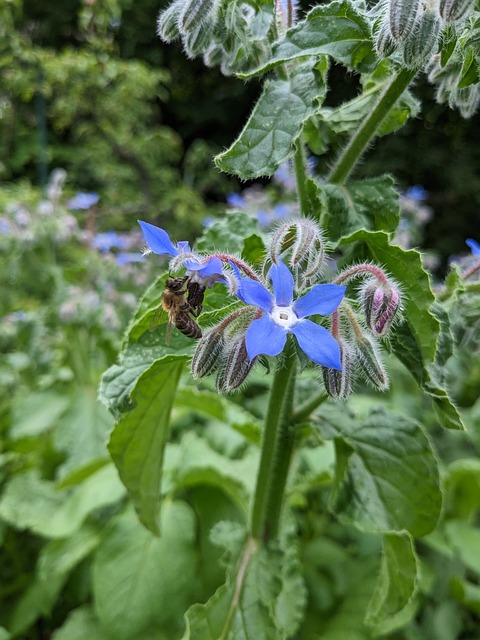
{"x":222,"y":350}
{"x":300,"y":243}
{"x":338,"y":384}
{"x":381,"y":304}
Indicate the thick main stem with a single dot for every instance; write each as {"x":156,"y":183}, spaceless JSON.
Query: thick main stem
{"x":277,"y":450}
{"x":361,"y":139}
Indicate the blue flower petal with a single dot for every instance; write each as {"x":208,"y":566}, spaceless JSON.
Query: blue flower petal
{"x":253,"y":292}
{"x":211,"y":267}
{"x":282,"y":282}
{"x":318,"y":344}
{"x":474,"y":246}
{"x":264,"y":336}
{"x":322,"y":299}
{"x":157,"y":239}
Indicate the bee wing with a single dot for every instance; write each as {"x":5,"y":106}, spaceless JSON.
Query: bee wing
{"x":156,"y":319}
{"x":168,"y":332}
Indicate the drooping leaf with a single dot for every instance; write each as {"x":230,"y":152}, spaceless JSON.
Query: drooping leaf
{"x":276,"y":122}
{"x":138,"y":440}
{"x":82,"y":623}
{"x":390,"y":481}
{"x":37,"y":413}
{"x":336,"y":29}
{"x":141,"y":581}
{"x":396,"y":585}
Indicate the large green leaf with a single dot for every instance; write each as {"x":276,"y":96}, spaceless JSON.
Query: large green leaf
{"x":396,"y":585}
{"x":276,"y":122}
{"x":388,"y":480}
{"x":29,"y":502}
{"x":141,"y":581}
{"x":368,"y":204}
{"x":265,"y":601}
{"x":336,"y":29}
{"x":138,"y":440}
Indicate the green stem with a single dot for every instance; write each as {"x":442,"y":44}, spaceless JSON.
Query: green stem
{"x":304,"y":411}
{"x":299,"y":164}
{"x":361,"y":139}
{"x":277,"y":450}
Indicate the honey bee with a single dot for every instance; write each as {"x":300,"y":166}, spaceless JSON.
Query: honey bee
{"x":181,"y":304}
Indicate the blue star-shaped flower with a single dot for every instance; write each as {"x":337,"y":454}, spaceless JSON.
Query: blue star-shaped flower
{"x":208,"y":271}
{"x":268,"y":334}
{"x":474,"y":246}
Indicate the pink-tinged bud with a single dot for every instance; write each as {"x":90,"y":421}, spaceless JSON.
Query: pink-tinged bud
{"x":236,"y":366}
{"x":402,"y":16}
{"x":338,"y":384}
{"x":208,"y":352}
{"x":369,"y":363}
{"x":381,"y":305}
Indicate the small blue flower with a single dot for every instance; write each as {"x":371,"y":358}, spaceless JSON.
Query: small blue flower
{"x":236,"y":200}
{"x":125,"y":257}
{"x":417,"y":193}
{"x":268,"y":334}
{"x":207,"y":271}
{"x":474,"y":246}
{"x":83,"y":201}
{"x":109,"y":240}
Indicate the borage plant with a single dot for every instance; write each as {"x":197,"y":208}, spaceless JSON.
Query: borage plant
{"x":287,"y":496}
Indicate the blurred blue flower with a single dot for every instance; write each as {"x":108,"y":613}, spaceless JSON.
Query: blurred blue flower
{"x":417,"y":193}
{"x":109,"y":240}
{"x":158,"y":241}
{"x":268,"y":334}
{"x":5,"y":227}
{"x":236,"y":200}
{"x":129,"y":257}
{"x":474,"y":246}
{"x":83,"y":201}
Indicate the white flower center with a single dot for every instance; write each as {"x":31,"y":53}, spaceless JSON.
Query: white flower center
{"x":284,"y":316}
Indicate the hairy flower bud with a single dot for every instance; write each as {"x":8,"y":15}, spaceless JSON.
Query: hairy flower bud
{"x":236,"y":366}
{"x":381,"y":304}
{"x":168,"y":22}
{"x":198,"y":12}
{"x":302,"y":241}
{"x":338,"y":384}
{"x":208,"y":352}
{"x":466,"y":100}
{"x":421,"y":41}
{"x":369,"y":362}
{"x":385,"y":45}
{"x":453,"y":10}
{"x":402,"y":15}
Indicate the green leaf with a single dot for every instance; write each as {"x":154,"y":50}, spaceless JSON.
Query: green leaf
{"x":228,"y":232}
{"x":194,"y":463}
{"x":369,"y":204}
{"x":396,"y":585}
{"x":336,"y":29}
{"x":462,"y":486}
{"x":142,"y":581}
{"x":82,"y":623}
{"x":264,"y":602}
{"x":390,"y":482}
{"x":29,"y":502}
{"x":37,"y":413}
{"x":4,"y":634}
{"x":276,"y":122}
{"x":138,"y":440}
{"x":82,"y":432}
{"x":465,"y":540}
{"x":469,"y":74}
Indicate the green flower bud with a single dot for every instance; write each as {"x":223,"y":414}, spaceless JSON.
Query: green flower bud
{"x":198,"y":12}
{"x":385,"y":45}
{"x":235,"y":367}
{"x":402,"y":15}
{"x":420,"y":44}
{"x":338,"y":384}
{"x":208,"y":352}
{"x":453,"y":10}
{"x":168,"y":22}
{"x":369,"y":362}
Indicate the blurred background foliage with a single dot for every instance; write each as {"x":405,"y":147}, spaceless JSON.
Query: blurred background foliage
{"x":89,"y":87}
